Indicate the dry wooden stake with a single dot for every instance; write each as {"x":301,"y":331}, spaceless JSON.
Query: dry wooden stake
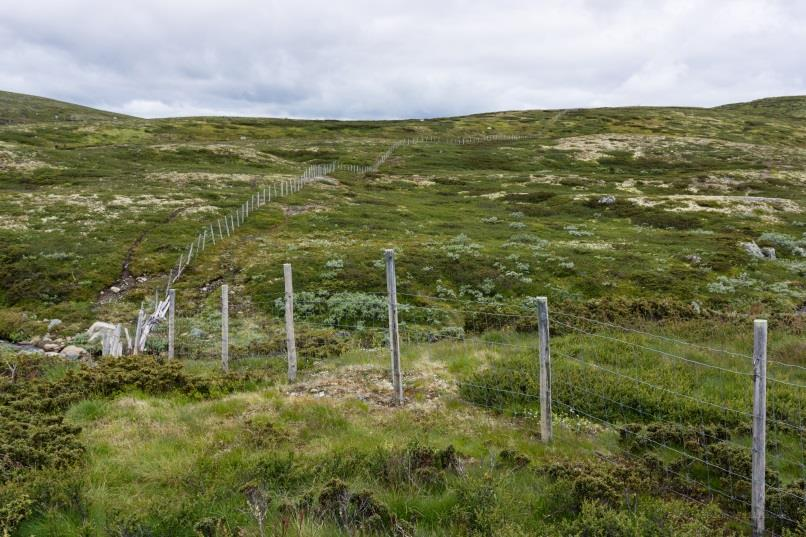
{"x":290,"y":339}
{"x":394,"y":335}
{"x":171,"y":320}
{"x":759,"y":455}
{"x":225,"y":327}
{"x":545,"y":369}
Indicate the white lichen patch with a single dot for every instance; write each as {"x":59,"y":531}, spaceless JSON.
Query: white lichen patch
{"x":211,"y":179}
{"x":766,"y":208}
{"x":14,"y":223}
{"x":628,"y":186}
{"x":495,"y":195}
{"x":586,"y":245}
{"x":293,"y":210}
{"x":243,"y":152}
{"x":10,"y":160}
{"x":669,"y":148}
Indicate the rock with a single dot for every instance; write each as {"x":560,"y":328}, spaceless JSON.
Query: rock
{"x":53,"y":324}
{"x":51,"y":347}
{"x":197,"y":333}
{"x":694,"y":259}
{"x":753,"y":249}
{"x":607,"y":200}
{"x":72,"y":352}
{"x":696,"y":307}
{"x":52,"y":354}
{"x":142,"y":279}
{"x":768,"y":252}
{"x":115,"y":289}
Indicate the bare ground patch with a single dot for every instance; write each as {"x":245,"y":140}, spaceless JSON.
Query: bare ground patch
{"x":371,"y":384}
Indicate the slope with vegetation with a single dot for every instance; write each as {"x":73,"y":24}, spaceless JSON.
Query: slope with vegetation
{"x":642,"y":217}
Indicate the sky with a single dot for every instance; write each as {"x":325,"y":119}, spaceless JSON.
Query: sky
{"x":376,"y":59}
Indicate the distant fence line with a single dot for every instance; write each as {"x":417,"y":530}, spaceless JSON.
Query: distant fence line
{"x":227,"y":225}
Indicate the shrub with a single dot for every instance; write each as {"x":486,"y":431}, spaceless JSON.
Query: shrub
{"x":475,"y":508}
{"x":15,"y":506}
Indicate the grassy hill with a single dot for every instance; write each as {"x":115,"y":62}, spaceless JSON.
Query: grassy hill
{"x":638,"y":218}
{"x":20,"y":108}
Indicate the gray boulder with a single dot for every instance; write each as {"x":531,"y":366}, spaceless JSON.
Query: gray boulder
{"x":53,"y":324}
{"x":768,"y":252}
{"x":753,"y":249}
{"x":607,"y":200}
{"x":73,"y":352}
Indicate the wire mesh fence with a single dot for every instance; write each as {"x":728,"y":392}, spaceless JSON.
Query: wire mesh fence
{"x":681,"y":411}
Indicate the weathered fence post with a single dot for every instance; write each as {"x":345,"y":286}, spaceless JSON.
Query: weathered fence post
{"x":225,"y":327}
{"x":171,"y":321}
{"x":545,"y":368}
{"x":290,"y":339}
{"x":759,"y":425}
{"x":394,"y":335}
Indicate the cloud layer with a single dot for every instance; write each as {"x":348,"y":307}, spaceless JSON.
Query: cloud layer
{"x":391,"y":59}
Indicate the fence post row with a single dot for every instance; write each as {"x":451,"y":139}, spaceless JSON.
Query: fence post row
{"x":394,"y":335}
{"x":225,"y":327}
{"x":759,"y":425}
{"x":290,"y":340}
{"x":171,"y":322}
{"x":545,"y":369}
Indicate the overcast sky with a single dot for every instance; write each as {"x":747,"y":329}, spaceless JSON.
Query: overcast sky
{"x":407,"y":58}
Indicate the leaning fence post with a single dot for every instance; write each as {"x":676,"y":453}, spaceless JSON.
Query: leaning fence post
{"x":171,"y":321}
{"x":225,"y":327}
{"x":290,"y":339}
{"x":394,"y":335}
{"x":759,"y":425}
{"x":545,"y":368}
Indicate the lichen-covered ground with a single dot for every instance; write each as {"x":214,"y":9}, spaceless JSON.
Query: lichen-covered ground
{"x":660,"y":220}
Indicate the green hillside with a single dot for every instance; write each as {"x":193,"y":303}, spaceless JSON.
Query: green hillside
{"x":18,"y":108}
{"x":657,"y":234}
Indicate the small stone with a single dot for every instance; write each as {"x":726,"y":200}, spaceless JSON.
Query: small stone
{"x":320,"y":394}
{"x":768,"y":252}
{"x":115,"y":289}
{"x":197,"y":333}
{"x":52,"y":354}
{"x":51,"y":347}
{"x":53,"y":324}
{"x":607,"y":200}
{"x":694,"y":259}
{"x":696,"y":307}
{"x":72,"y":352}
{"x":142,"y":279}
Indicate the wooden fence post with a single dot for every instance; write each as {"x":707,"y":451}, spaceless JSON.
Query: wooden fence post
{"x":759,"y":425}
{"x":394,"y":335}
{"x":171,"y":323}
{"x":225,"y":327}
{"x":545,"y":368}
{"x":290,"y":339}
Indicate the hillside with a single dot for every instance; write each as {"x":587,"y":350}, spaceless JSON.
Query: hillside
{"x":16,"y":108}
{"x":657,"y":234}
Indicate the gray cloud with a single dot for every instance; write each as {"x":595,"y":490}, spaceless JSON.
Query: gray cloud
{"x":390,"y":59}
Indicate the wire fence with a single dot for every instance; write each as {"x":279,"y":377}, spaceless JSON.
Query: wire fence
{"x":681,"y":411}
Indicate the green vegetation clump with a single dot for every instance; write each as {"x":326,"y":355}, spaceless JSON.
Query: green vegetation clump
{"x":34,"y":436}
